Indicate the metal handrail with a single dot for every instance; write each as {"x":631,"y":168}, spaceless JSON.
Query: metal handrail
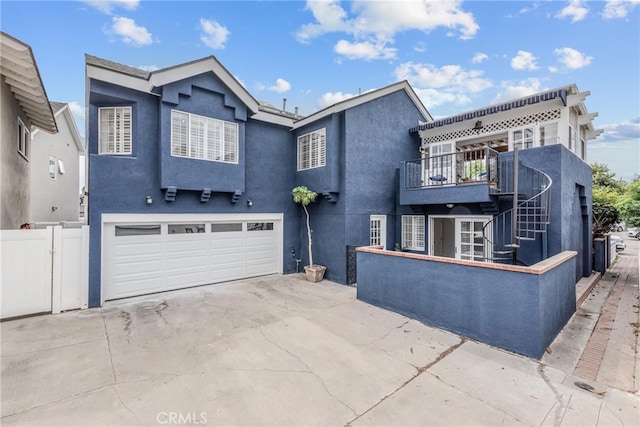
{"x":462,"y":167}
{"x":531,"y":215}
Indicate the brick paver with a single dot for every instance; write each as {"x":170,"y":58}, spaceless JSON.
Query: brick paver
{"x":590,"y":361}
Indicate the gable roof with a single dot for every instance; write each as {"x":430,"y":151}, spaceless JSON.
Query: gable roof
{"x":62,"y":110}
{"x":364,"y":98}
{"x":145,"y":81}
{"x":20,"y":71}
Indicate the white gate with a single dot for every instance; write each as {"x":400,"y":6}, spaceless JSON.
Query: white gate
{"x":43,"y":271}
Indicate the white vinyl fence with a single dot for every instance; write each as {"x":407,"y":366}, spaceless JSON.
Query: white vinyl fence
{"x":43,"y":271}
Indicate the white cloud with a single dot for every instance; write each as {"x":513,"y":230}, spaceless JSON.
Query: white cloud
{"x":479,"y":57}
{"x":107,"y":6}
{"x":571,"y":58}
{"x":281,"y":86}
{"x":517,"y":90}
{"x":130,"y":32}
{"x":77,"y":110}
{"x":616,"y":9}
{"x":364,"y":50}
{"x":420,"y":47}
{"x":440,"y":85}
{"x":331,"y":98}
{"x":214,"y":35}
{"x":432,"y":98}
{"x":373,"y":24}
{"x":576,"y":10}
{"x":448,"y":77}
{"x":330,"y":17}
{"x":524,"y":61}
{"x":148,"y":68}
{"x":623,"y":131}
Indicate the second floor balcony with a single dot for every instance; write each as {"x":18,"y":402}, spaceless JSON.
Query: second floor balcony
{"x":470,"y":176}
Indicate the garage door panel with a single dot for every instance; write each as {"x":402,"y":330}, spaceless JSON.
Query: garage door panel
{"x":133,"y":285}
{"x":182,"y":278}
{"x":226,"y":243}
{"x":137,"y":249}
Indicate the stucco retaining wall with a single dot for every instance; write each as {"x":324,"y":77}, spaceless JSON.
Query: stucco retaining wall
{"x":517,"y":308}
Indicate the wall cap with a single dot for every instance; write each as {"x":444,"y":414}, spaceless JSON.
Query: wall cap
{"x":538,"y":268}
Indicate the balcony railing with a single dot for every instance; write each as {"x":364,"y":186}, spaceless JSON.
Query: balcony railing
{"x":464,"y":167}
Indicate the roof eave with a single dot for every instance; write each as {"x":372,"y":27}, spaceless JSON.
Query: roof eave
{"x":21,"y":74}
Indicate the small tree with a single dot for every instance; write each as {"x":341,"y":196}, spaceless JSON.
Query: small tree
{"x":304,"y":196}
{"x":605,"y":214}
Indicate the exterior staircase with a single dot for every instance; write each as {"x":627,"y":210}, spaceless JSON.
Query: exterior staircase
{"x":529,"y":216}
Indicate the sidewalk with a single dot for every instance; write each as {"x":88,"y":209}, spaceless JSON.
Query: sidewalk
{"x":599,"y":345}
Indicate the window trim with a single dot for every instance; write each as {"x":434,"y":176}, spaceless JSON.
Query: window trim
{"x":381,"y":238}
{"x":534,"y":137}
{"x":52,"y":173}
{"x":317,"y":156}
{"x":224,"y":147}
{"x":416,"y":222}
{"x":24,"y":140}
{"x":118,"y":145}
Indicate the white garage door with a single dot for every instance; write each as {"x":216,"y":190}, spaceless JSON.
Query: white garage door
{"x":145,"y":254}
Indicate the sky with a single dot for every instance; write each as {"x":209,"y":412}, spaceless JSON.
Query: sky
{"x":457,"y":55}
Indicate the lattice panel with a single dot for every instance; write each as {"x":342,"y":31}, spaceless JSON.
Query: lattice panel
{"x":494,"y":127}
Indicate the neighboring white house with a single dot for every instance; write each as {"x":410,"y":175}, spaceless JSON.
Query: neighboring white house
{"x":56,"y":170}
{"x":23,"y":107}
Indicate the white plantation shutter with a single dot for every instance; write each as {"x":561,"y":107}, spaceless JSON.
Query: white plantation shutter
{"x":303,"y":152}
{"x":215,"y":136}
{"x":312,"y":151}
{"x":230,"y":142}
{"x":198,"y":128}
{"x":179,"y":136}
{"x":203,"y":138}
{"x":115,"y":130}
{"x":413,"y":232}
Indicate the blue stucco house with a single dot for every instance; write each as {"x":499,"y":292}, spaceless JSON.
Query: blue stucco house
{"x":190,"y":177}
{"x":190,"y":181}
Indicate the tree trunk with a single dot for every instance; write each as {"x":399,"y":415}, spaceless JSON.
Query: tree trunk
{"x":308,"y":235}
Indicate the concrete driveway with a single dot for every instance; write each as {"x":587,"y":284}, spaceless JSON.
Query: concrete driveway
{"x":276,"y":351}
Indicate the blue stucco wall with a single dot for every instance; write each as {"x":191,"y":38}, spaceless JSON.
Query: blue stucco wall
{"x":571,"y":199}
{"x":369,"y":141}
{"x":119,"y":184}
{"x":519,"y":312}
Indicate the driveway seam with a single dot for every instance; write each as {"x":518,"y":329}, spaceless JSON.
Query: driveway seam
{"x":419,"y":371}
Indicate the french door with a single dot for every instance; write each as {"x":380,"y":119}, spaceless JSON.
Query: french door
{"x":459,"y":237}
{"x":440,"y":166}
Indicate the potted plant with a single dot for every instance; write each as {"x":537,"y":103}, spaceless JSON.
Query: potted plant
{"x":304,"y":196}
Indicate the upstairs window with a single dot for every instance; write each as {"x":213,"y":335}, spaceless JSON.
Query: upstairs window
{"x":312,"y":150}
{"x":549,"y":134}
{"x":413,"y":232}
{"x":572,"y":138}
{"x":52,"y":167}
{"x":23,"y":140}
{"x":114,"y":130}
{"x":203,"y":138}
{"x":523,"y":138}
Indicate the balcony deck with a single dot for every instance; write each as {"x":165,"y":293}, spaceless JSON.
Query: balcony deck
{"x":473,"y":176}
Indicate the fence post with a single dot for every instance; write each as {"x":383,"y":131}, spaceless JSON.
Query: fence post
{"x":56,"y":268}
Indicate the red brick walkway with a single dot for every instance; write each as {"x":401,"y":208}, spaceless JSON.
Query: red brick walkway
{"x":589,"y":363}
